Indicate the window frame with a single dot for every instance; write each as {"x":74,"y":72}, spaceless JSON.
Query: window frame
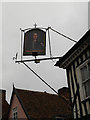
{"x":82,"y":82}
{"x":14,"y":111}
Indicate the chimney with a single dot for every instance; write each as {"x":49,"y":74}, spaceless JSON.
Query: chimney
{"x":89,"y":15}
{"x":63,"y":91}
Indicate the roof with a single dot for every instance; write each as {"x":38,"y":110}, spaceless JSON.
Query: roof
{"x":72,"y":50}
{"x":42,"y":104}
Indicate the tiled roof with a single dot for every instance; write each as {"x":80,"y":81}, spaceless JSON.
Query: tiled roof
{"x":43,"y":105}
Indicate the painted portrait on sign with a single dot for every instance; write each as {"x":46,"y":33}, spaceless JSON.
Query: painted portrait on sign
{"x":35,"y":42}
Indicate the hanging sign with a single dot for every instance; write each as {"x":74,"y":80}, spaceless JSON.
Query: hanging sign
{"x":34,"y":42}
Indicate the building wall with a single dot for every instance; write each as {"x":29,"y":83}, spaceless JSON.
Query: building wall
{"x":16,"y":103}
{"x":4,"y":106}
{"x":80,"y":108}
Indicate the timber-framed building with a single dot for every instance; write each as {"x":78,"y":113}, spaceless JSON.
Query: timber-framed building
{"x":77,"y":64}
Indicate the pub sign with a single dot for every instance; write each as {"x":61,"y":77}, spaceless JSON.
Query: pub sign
{"x":34,"y":42}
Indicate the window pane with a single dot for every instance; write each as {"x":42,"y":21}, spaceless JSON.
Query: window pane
{"x":87,"y":88}
{"x":82,"y":73}
{"x":15,"y":115}
{"x":85,"y":73}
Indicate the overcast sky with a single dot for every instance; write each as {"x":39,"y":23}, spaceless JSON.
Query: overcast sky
{"x":69,"y":18}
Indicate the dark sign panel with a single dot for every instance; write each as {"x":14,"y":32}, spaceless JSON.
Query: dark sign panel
{"x":35,"y":42}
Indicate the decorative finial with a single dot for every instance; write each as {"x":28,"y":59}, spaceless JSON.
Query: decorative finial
{"x":35,"y":25}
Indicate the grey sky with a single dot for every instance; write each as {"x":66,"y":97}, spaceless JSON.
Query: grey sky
{"x":69,"y":18}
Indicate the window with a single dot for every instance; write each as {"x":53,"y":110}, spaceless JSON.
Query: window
{"x":15,"y":115}
{"x":85,"y":74}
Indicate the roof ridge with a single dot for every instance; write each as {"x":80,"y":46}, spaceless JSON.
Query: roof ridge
{"x":35,"y":91}
{"x":60,"y":96}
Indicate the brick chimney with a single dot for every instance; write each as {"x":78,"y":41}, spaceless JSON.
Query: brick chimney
{"x":64,"y":92}
{"x":89,"y":15}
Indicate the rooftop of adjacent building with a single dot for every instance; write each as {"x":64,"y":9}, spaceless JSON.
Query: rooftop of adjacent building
{"x":43,"y":104}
